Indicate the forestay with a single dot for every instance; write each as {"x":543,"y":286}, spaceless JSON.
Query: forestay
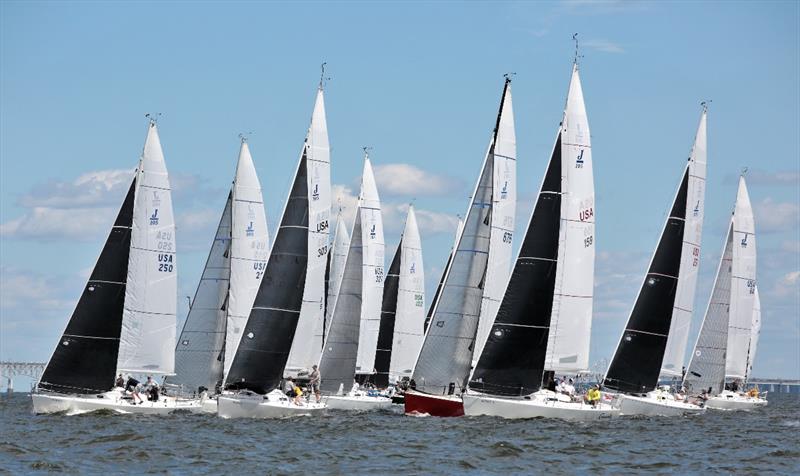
{"x":743,"y":285}
{"x":147,"y":340}
{"x":672,"y":366}
{"x":310,"y":327}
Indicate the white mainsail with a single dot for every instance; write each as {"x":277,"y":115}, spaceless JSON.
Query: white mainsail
{"x":743,"y":285}
{"x":147,"y":340}
{"x":369,"y":208}
{"x":571,"y":317}
{"x":338,"y":255}
{"x":503,"y":154}
{"x":672,"y":364}
{"x":249,"y":249}
{"x":307,"y":343}
{"x":754,"y":333}
{"x":410,"y":315}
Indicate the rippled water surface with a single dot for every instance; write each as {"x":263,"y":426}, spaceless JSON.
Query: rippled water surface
{"x":766,"y":440}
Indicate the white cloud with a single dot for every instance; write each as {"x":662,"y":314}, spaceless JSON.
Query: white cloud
{"x":93,"y":189}
{"x":786,"y":285}
{"x":604,"y":46}
{"x":767,"y":178}
{"x":49,"y":224}
{"x":410,"y":181}
{"x":31,"y":291}
{"x":775,"y":217}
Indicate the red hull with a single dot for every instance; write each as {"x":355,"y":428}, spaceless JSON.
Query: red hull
{"x":434,"y":405}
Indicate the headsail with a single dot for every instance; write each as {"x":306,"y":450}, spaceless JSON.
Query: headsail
{"x":743,"y":285}
{"x":503,"y":154}
{"x":690,"y":256}
{"x":147,"y":341}
{"x":435,"y":300}
{"x":571,"y":316}
{"x":248,"y":251}
{"x":85,"y":358}
{"x":307,"y":347}
{"x":369,"y":208}
{"x":668,"y":289}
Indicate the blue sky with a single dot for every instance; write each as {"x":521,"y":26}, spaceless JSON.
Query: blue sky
{"x":420,"y":83}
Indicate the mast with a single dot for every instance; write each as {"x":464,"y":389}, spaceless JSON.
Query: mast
{"x":445,"y":358}
{"x":147,"y":340}
{"x":85,"y":358}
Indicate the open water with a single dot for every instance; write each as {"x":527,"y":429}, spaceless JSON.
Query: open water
{"x":764,"y":441}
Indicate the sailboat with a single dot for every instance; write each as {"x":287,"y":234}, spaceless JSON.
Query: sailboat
{"x":726,"y":343}
{"x":403,"y":309}
{"x":472,"y":287}
{"x":665,"y":298}
{"x":124,"y":321}
{"x":354,"y":307}
{"x":301,"y":243}
{"x":227,"y":288}
{"x":544,"y":322}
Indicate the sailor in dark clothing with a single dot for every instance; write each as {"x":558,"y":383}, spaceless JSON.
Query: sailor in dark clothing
{"x":132,"y":385}
{"x":120,"y":382}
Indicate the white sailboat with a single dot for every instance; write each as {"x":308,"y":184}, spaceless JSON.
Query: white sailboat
{"x":293,"y":278}
{"x":124,"y":321}
{"x":472,"y":287}
{"x":544,"y":321}
{"x":727,"y":339}
{"x":664,"y":304}
{"x":337,"y":255}
{"x":354,"y":323}
{"x":403,"y":309}
{"x":227,"y":288}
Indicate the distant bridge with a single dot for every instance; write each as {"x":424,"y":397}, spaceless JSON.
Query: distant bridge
{"x":9,"y":370}
{"x":777,"y":385}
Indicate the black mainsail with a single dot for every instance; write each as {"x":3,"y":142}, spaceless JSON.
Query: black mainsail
{"x":383,"y":353}
{"x":512,"y":362}
{"x":85,"y":358}
{"x":637,"y":361}
{"x":267,"y":338}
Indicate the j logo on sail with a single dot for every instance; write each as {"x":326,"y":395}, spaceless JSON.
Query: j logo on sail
{"x":315,"y":193}
{"x":372,"y":232}
{"x":504,"y":191}
{"x":413,"y":268}
{"x":744,"y":241}
{"x":154,"y":217}
{"x":579,"y":161}
{"x":696,"y":210}
{"x":250,"y":231}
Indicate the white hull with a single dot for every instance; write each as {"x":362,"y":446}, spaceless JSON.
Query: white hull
{"x":728,"y":400}
{"x":113,"y":401}
{"x":655,"y":403}
{"x":272,"y":405}
{"x":357,"y":402}
{"x":208,"y":405}
{"x":540,"y":404}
